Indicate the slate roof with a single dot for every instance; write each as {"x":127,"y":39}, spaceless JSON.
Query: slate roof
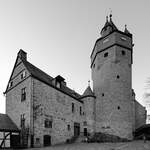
{"x":88,"y":92}
{"x":44,"y":77}
{"x":109,"y":23}
{"x":6,"y":124}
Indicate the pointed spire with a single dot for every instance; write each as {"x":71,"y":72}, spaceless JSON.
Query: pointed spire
{"x":126,"y":30}
{"x":109,"y":26}
{"x":111,"y":22}
{"x":88,"y":91}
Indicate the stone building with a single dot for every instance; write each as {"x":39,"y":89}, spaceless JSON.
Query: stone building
{"x":47,"y":112}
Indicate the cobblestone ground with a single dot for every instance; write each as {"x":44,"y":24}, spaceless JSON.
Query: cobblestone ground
{"x":135,"y":145}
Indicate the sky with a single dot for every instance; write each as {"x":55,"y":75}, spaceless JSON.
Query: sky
{"x":59,"y":35}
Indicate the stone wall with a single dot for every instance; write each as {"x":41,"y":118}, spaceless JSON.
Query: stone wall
{"x":89,"y":113}
{"x":111,"y":75}
{"x":140,"y":115}
{"x":56,"y":106}
{"x":15,"y":107}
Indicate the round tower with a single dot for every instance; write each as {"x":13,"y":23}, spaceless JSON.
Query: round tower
{"x":111,"y":65}
{"x":88,"y":99}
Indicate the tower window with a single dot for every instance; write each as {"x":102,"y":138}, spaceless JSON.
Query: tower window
{"x":118,"y":107}
{"x":118,"y":76}
{"x":105,"y":54}
{"x":123,"y":52}
{"x":22,"y":121}
{"x":102,"y":94}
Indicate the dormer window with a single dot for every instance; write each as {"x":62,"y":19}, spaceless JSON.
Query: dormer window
{"x":58,"y":84}
{"x":59,"y":81}
{"x":23,"y":74}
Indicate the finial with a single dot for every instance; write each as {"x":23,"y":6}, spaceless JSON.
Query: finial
{"x":126,"y":30}
{"x":110,"y":16}
{"x":110,"y":13}
{"x":106,"y":18}
{"x":89,"y":83}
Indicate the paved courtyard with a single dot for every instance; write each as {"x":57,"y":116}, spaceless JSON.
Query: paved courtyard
{"x":135,"y":145}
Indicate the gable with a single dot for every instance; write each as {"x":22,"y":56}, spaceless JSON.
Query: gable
{"x":19,"y":72}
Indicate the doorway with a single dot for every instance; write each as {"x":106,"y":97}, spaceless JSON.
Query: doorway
{"x":85,"y":131}
{"x":47,"y":140}
{"x":76,"y":129}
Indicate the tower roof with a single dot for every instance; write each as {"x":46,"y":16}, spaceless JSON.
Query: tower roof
{"x":108,"y":27}
{"x":88,"y":92}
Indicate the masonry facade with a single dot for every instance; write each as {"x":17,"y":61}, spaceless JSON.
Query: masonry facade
{"x":47,"y":112}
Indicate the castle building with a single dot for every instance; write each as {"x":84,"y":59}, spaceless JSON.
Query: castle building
{"x":47,"y":112}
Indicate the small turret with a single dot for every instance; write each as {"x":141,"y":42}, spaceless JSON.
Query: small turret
{"x":88,"y":99}
{"x":126,"y":30}
{"x":88,"y":92}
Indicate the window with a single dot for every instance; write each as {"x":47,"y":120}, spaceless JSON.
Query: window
{"x":23,"y":94}
{"x":23,"y":74}
{"x":102,"y":94}
{"x":80,"y":110}
{"x":22,"y":121}
{"x":118,"y":76}
{"x":84,"y":123}
{"x":73,"y":107}
{"x":10,"y":84}
{"x":94,"y":66}
{"x":58,"y":84}
{"x":123,"y":52}
{"x":105,"y":54}
{"x":68,"y":127}
{"x":37,"y":140}
{"x":48,"y":123}
{"x":118,"y":107}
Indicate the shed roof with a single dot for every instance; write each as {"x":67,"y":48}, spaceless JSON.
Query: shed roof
{"x":6,"y":124}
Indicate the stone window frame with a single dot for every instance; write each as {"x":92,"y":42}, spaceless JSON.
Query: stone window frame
{"x":22,"y":120}
{"x":48,"y":123}
{"x":23,"y":94}
{"x":73,"y":107}
{"x":80,"y":110}
{"x":23,"y":74}
{"x":68,"y":127}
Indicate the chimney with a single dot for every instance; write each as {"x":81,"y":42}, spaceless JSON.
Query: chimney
{"x":22,"y":54}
